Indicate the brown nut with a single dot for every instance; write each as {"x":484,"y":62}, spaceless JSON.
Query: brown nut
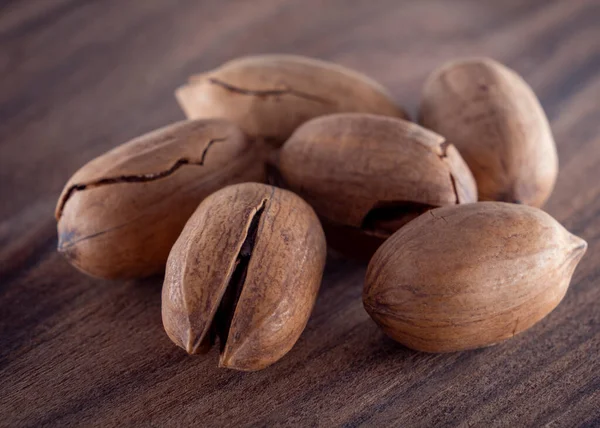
{"x":496,"y":122}
{"x":269,"y":96}
{"x":470,"y":276}
{"x":246,"y":269}
{"x":119,"y":215}
{"x":372,"y":174}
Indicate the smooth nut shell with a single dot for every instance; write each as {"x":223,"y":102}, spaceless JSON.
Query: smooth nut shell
{"x":119,"y":215}
{"x":496,"y":122}
{"x":283,"y":274}
{"x":470,"y":276}
{"x":269,"y":96}
{"x":348,"y":165}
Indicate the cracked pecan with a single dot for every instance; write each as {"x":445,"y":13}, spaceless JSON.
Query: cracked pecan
{"x":119,"y":215}
{"x":269,"y":96}
{"x":246,"y":271}
{"x":371,"y":174}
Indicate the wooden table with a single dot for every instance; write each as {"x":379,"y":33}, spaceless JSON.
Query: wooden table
{"x":79,"y":77}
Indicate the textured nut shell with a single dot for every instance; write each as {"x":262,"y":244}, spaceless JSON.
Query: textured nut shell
{"x":138,"y":196}
{"x":271,"y":95}
{"x":470,"y":276}
{"x":346,"y":164}
{"x":497,"y":123}
{"x":282,"y":280}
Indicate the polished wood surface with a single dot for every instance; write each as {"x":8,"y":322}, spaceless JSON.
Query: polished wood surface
{"x":79,"y":77}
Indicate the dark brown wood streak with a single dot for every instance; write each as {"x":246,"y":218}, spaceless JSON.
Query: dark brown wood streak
{"x":77,"y":78}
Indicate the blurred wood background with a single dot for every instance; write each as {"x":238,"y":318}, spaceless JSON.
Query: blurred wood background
{"x":79,"y":77}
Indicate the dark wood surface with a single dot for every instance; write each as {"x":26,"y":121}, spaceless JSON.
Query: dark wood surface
{"x":79,"y":77}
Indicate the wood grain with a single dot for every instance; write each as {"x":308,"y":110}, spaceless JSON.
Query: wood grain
{"x":77,"y":78}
